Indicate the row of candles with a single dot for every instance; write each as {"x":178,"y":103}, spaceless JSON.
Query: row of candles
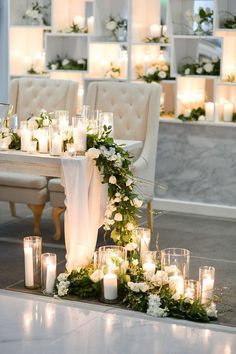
{"x":50,"y":139}
{"x":110,"y":259}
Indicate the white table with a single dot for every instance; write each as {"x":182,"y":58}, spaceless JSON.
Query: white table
{"x":85,"y":195}
{"x":35,"y":324}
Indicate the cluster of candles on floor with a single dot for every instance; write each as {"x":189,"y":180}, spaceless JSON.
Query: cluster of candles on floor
{"x":51,"y":138}
{"x":111,"y":259}
{"x":174,"y":261}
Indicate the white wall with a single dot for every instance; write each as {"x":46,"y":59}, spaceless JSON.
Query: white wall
{"x":4,"y":50}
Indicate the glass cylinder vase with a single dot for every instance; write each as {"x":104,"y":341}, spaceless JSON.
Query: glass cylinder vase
{"x":143,"y":239}
{"x":79,"y":125}
{"x":175,"y":261}
{"x":191,"y":289}
{"x":206,"y":280}
{"x":106,"y":119}
{"x":111,"y":258}
{"x":32,"y":258}
{"x":48,"y":272}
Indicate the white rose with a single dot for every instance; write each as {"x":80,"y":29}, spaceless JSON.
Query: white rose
{"x":65,"y":62}
{"x":211,"y":310}
{"x":112,"y":180}
{"x":130,"y":226}
{"x":118,"y":217}
{"x":151,"y":70}
{"x":81,"y":61}
{"x":111,"y":25}
{"x":62,"y":277}
{"x":187,"y":113}
{"x":187,"y":71}
{"x":96,"y":276}
{"x":54,"y":66}
{"x":131,"y":246}
{"x":199,"y":70}
{"x":165,"y":68}
{"x":128,"y":182}
{"x":125,"y":199}
{"x":135,"y":262}
{"x":162,"y":74}
{"x":175,"y":296}
{"x":93,"y":153}
{"x":214,"y":59}
{"x":208,"y":67}
{"x":137,"y":202}
{"x":137,"y":287}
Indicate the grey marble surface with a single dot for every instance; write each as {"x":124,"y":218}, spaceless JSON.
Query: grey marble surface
{"x":197,"y":163}
{"x":35,"y":325}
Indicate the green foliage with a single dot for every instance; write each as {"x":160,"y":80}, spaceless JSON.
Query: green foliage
{"x":162,"y":39}
{"x":230,"y":23}
{"x":67,"y":64}
{"x":158,"y":75}
{"x":15,"y":141}
{"x":81,"y":284}
{"x":136,"y":301}
{"x":74,"y":28}
{"x":194,"y":115}
{"x":203,"y":67}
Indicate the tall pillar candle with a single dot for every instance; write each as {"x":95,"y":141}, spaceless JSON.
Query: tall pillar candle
{"x":155,"y":30}
{"x":80,"y":138}
{"x":56,"y":145}
{"x":209,"y":111}
{"x":29,"y":266}
{"x":32,"y":258}
{"x":177,"y":281}
{"x":26,"y":136}
{"x":206,"y":280}
{"x":228,"y":112}
{"x":48,"y":272}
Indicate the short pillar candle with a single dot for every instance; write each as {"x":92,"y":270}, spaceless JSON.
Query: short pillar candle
{"x":206,"y":280}
{"x":48,"y":272}
{"x":110,"y":286}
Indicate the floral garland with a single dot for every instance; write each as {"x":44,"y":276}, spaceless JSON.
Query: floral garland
{"x":204,"y":67}
{"x":43,"y":119}
{"x":162,"y":39}
{"x":155,"y":73}
{"x":113,"y":72}
{"x":67,"y":64}
{"x":231,"y":22}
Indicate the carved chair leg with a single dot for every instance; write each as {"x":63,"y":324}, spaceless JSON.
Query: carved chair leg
{"x":150,"y":215}
{"x":37,"y":212}
{"x":56,"y":213}
{"x":12,"y":208}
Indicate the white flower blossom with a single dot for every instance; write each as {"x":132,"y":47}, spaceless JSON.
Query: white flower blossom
{"x":93,"y":153}
{"x":154,"y":306}
{"x":130,"y":226}
{"x":63,"y":288}
{"x":165,"y":67}
{"x":211,"y":310}
{"x":151,"y":70}
{"x":199,"y":70}
{"x":135,"y":262}
{"x":187,"y":71}
{"x":96,"y":276}
{"x":128,"y":182}
{"x":162,"y":74}
{"x":62,"y":277}
{"x":125,"y":199}
{"x":65,"y":62}
{"x":202,"y":118}
{"x":160,"y":278}
{"x":214,"y":59}
{"x":208,"y":67}
{"x":112,"y":180}
{"x":118,"y":217}
{"x":138,"y":287}
{"x":111,"y":25}
{"x":81,"y":61}
{"x":137,"y":202}
{"x":131,"y":246}
{"x":54,"y":66}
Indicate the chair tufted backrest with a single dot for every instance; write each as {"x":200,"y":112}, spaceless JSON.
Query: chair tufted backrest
{"x":29,"y":95}
{"x":136,"y":108}
{"x":128,"y":101}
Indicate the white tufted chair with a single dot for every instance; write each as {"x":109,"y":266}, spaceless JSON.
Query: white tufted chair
{"x":29,"y":95}
{"x":136,"y":108}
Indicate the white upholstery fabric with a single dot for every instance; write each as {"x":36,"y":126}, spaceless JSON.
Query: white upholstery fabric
{"x":29,"y":95}
{"x":24,"y":195}
{"x":21,"y":180}
{"x":136,"y":108}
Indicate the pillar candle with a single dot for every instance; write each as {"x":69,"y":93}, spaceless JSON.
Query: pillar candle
{"x":110,"y":286}
{"x":149,"y":267}
{"x":178,"y":282}
{"x":155,"y":30}
{"x":218,"y":112}
{"x":56,"y":145}
{"x":25,"y":134}
{"x":50,"y":277}
{"x":207,"y":289}
{"x":228,"y":112}
{"x":209,"y":111}
{"x":43,"y":143}
{"x":29,"y":269}
{"x":80,"y":138}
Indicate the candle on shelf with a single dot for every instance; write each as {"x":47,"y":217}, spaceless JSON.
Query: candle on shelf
{"x":62,"y":118}
{"x":164,"y":30}
{"x":149,"y":267}
{"x":56,"y":145}
{"x":79,"y":21}
{"x":110,"y":286}
{"x":48,"y":272}
{"x":80,"y":138}
{"x":29,"y":267}
{"x":177,"y":281}
{"x":161,"y":58}
{"x":90,"y":24}
{"x":206,"y":280}
{"x":218,"y":112}
{"x":228,"y":112}
{"x":155,"y":30}
{"x":191,"y":289}
{"x":209,"y":111}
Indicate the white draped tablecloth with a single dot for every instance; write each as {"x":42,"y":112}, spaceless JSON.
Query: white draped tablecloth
{"x":85,"y":204}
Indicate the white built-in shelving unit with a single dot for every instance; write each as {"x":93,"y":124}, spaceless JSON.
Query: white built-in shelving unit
{"x":41,"y":43}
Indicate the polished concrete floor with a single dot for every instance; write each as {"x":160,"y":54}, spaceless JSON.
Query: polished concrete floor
{"x":211,"y":242}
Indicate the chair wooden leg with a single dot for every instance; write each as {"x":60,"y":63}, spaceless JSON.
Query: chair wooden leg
{"x":56,"y":213}
{"x":150,"y":215}
{"x":12,"y":208}
{"x":37,"y":212}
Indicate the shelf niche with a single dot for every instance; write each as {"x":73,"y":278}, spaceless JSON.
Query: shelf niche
{"x":18,"y":9}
